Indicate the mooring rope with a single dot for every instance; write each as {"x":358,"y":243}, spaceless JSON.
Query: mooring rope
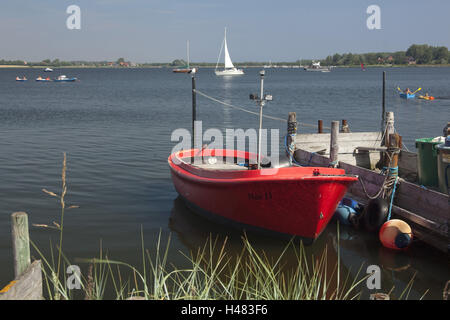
{"x":389,"y":181}
{"x":251,"y":112}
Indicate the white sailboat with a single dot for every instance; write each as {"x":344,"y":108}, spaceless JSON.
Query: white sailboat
{"x":230,"y":69}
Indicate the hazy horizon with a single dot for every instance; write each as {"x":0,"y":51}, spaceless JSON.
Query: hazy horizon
{"x":260,"y":31}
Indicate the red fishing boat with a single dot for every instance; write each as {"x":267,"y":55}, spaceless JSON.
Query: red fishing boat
{"x":223,"y":184}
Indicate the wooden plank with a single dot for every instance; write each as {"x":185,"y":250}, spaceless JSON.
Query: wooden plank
{"x":343,"y":137}
{"x":371,"y":149}
{"x":428,"y":203}
{"x":349,"y":143}
{"x":407,"y":165}
{"x":344,"y":147}
{"x":310,"y":158}
{"x":27,"y":286}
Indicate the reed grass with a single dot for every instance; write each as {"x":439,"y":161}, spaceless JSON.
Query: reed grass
{"x":212,"y":273}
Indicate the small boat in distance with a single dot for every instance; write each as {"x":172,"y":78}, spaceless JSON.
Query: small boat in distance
{"x":21,"y":79}
{"x":315,"y":66}
{"x":40,"y":79}
{"x":63,"y":78}
{"x":230,"y":69}
{"x":48,"y":70}
{"x":407,"y":95}
{"x":185,"y":69}
{"x":426,"y":97}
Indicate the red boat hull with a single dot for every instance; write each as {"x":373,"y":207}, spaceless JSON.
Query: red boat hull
{"x":294,"y":200}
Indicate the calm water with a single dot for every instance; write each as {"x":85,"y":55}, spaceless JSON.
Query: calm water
{"x":115,"y":126}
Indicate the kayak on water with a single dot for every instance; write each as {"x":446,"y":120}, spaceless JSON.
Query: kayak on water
{"x":407,"y":95}
{"x":426,"y":97}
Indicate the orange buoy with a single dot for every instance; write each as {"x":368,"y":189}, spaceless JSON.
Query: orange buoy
{"x":396,"y":234}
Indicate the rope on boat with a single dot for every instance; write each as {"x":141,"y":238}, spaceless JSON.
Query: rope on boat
{"x":251,"y":112}
{"x":389,"y":183}
{"x":392,"y":198}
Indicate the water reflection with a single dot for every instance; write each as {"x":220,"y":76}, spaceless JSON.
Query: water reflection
{"x":226,"y":113}
{"x":356,"y":249}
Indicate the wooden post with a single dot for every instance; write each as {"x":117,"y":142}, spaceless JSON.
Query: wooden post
{"x":194,"y":110}
{"x":20,"y":242}
{"x":345,"y":128}
{"x":320,"y":126}
{"x":292,"y":132}
{"x":27,"y":283}
{"x":394,"y":144}
{"x":389,"y":124}
{"x":383,"y":103}
{"x":389,"y":129}
{"x":334,"y":145}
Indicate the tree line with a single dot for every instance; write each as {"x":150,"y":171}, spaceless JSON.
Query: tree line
{"x":415,"y":54}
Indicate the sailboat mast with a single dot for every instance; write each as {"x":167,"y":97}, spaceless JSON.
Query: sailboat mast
{"x":188,"y":54}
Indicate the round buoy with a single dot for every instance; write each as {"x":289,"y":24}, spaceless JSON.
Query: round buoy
{"x":375,"y":213}
{"x":396,"y":234}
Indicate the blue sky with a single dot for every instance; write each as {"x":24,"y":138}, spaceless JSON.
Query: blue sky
{"x":157,"y":30}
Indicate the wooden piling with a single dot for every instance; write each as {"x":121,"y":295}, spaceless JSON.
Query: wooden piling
{"x":334,"y":146}
{"x":20,"y":242}
{"x":383,"y":103}
{"x":345,"y":128}
{"x":394,"y":144}
{"x":291,"y":132}
{"x":320,"y":126}
{"x":389,"y":129}
{"x":194,"y":111}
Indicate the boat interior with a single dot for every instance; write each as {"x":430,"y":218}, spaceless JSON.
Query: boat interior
{"x":210,"y":162}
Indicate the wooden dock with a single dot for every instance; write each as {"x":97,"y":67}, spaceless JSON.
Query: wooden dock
{"x":360,"y":153}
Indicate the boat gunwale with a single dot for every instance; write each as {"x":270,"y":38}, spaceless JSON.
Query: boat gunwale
{"x":235,"y":176}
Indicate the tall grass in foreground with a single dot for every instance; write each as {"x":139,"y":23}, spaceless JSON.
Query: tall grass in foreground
{"x":212,"y":272}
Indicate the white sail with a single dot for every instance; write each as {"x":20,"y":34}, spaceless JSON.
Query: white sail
{"x":230,"y":69}
{"x":228,"y":63}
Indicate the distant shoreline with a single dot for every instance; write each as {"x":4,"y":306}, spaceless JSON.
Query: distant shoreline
{"x":213,"y":66}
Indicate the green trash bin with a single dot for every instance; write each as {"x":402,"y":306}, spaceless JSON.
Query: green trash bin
{"x":427,"y":173}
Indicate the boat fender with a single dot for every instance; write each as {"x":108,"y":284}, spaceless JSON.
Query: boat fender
{"x":396,"y":234}
{"x":348,"y":212}
{"x":375,"y":214}
{"x":343,"y":214}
